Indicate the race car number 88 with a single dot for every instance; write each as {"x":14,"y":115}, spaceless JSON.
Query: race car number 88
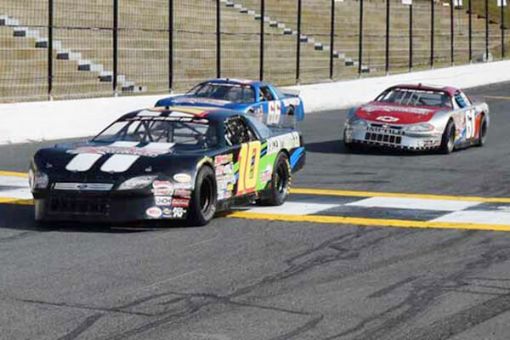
{"x":249,"y":158}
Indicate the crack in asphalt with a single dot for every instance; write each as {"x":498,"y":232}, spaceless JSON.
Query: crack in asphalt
{"x":86,"y":324}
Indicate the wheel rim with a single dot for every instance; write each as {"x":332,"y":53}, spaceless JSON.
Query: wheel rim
{"x":282,"y":179}
{"x":206,"y":199}
{"x":483,"y":132}
{"x":451,"y":139}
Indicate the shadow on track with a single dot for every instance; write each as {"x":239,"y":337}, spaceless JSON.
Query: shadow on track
{"x":337,"y":147}
{"x":21,"y":217}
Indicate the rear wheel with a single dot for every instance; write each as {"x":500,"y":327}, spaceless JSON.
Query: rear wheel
{"x":448,"y":139}
{"x":280,"y":182}
{"x":483,"y":132}
{"x":204,"y":198}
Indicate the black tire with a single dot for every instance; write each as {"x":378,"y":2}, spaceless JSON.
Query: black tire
{"x":448,"y":139}
{"x":290,"y":111}
{"x":483,"y":132}
{"x":280,"y":182}
{"x":204,"y":198}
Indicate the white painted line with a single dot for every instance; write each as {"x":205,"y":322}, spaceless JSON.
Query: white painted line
{"x":22,"y":193}
{"x":413,"y":203}
{"x":476,"y":216}
{"x":293,"y":208}
{"x":11,"y":181}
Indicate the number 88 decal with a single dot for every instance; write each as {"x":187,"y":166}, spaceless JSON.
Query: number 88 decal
{"x":248,"y":159}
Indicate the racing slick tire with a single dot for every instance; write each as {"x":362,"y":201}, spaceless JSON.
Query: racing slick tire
{"x":204,"y":198}
{"x":290,"y":111}
{"x":448,"y":139}
{"x":483,"y":132}
{"x":280,"y":182}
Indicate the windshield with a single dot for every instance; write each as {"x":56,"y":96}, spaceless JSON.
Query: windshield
{"x":229,"y":92}
{"x":415,"y":97}
{"x":190,"y":133}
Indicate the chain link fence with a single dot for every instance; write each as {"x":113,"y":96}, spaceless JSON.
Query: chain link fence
{"x":64,"y":49}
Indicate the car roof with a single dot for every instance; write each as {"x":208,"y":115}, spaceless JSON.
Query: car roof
{"x":210,"y":113}
{"x":236,"y":81}
{"x":448,"y":89}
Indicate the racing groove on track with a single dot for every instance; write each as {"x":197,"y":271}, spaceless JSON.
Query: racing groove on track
{"x":263,"y":279}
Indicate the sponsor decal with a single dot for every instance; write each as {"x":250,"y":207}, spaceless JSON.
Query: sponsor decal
{"x":162,"y":184}
{"x":222,"y":170}
{"x":223,"y":159}
{"x":266,"y":174}
{"x":180,"y":202}
{"x":390,"y":108}
{"x":182,"y":178}
{"x":163,"y":201}
{"x":162,"y":188}
{"x":178,"y":212}
{"x":288,"y":141}
{"x":154,"y":212}
{"x":387,"y":119}
{"x":184,"y":193}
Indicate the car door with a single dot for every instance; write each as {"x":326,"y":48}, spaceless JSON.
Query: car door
{"x":247,"y":152}
{"x":469,"y":116}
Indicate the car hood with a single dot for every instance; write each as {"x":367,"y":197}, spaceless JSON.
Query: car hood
{"x":396,"y":114}
{"x":110,"y":162}
{"x":186,"y":100}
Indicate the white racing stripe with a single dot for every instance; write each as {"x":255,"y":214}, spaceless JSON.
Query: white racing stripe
{"x":159,"y":146}
{"x":294,"y":208}
{"x":83,"y":162}
{"x":11,"y":181}
{"x":119,"y":163}
{"x":477,"y":216}
{"x":413,"y":203}
{"x":123,"y":144}
{"x":21,"y":193}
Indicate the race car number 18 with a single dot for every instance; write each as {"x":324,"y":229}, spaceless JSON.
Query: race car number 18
{"x":249,"y":158}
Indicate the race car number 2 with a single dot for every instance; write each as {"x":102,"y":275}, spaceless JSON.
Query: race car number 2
{"x":249,"y":158}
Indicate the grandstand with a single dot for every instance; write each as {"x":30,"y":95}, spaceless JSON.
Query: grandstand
{"x":83,"y":43}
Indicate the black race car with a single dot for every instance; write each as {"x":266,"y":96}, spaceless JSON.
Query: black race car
{"x":166,"y":164}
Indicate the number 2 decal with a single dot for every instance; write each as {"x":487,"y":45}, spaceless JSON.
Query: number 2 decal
{"x":248,"y":159}
{"x":470,"y":124}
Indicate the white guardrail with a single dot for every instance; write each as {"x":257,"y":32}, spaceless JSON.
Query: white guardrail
{"x":51,"y":120}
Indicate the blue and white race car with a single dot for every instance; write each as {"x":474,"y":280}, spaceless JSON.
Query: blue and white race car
{"x":243,"y":96}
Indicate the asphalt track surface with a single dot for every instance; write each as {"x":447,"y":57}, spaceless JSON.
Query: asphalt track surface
{"x":251,"y":278}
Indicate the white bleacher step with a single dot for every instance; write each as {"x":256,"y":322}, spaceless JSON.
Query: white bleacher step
{"x":281,"y":25}
{"x":319,"y":47}
{"x":303,"y":38}
{"x":41,"y":43}
{"x":365,"y":69}
{"x":243,"y":10}
{"x":273,"y":23}
{"x":106,"y":77}
{"x":8,"y":21}
{"x":229,"y":4}
{"x":19,"y":32}
{"x":349,"y":62}
{"x":252,"y":12}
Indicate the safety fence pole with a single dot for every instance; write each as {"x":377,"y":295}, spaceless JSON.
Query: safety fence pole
{"x":332,"y":40}
{"x":486,"y":30}
{"x":502,"y":2}
{"x":470,"y":31}
{"x":298,"y":51}
{"x":115,"y":43}
{"x":432,"y":33}
{"x":218,"y":39}
{"x":452,"y":33}
{"x":50,"y":48}
{"x":360,"y":43}
{"x":410,"y":36}
{"x":387,"y":52}
{"x":170,"y":45}
{"x":262,"y":16}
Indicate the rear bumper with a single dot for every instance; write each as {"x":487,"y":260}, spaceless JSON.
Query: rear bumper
{"x":79,"y":207}
{"x":392,"y":139}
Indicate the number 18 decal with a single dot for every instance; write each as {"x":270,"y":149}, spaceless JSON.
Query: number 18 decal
{"x":249,"y":158}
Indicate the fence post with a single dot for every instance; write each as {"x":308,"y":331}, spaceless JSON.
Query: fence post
{"x":387,"y":52}
{"x":50,"y":49}
{"x":470,"y":33}
{"x":486,"y":30}
{"x":502,"y":30}
{"x":452,"y":33}
{"x":432,"y":33}
{"x":262,"y":16}
{"x":218,"y":39}
{"x":360,"y":46}
{"x":411,"y":36}
{"x":170,"y":45}
{"x":115,"y":43}
{"x":298,"y":52}
{"x":332,"y":40}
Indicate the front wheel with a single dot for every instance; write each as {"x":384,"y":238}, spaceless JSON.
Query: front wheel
{"x":280,"y":182}
{"x":204,"y":198}
{"x":482,"y":137}
{"x":448,"y":139}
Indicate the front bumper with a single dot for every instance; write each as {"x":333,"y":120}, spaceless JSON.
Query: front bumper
{"x":391,"y":137}
{"x":57,"y":206}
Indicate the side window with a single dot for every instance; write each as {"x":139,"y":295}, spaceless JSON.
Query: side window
{"x":265,"y":94}
{"x":238,"y":132}
{"x":461,"y":100}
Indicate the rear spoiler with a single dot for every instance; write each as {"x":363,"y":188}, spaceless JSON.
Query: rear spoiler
{"x":291,"y":92}
{"x":275,"y":121}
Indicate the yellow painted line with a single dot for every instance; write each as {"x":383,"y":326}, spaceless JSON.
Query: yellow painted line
{"x":13,"y":174}
{"x":16,"y":201}
{"x":374,"y":222}
{"x":498,"y":97}
{"x":349,"y":193}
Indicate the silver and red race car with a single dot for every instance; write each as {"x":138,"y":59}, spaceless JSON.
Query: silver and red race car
{"x":418,"y":117}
